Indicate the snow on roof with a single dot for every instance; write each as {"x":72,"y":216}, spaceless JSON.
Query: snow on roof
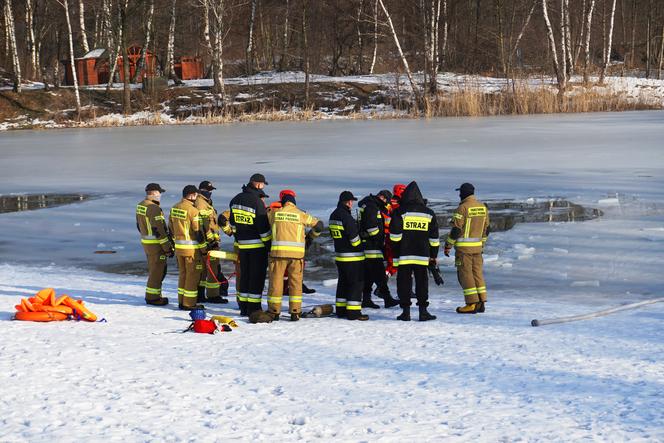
{"x":95,"y":53}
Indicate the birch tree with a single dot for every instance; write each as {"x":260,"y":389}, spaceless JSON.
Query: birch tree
{"x":140,"y":65}
{"x":607,"y":51}
{"x":72,"y":62}
{"x":586,"y":46}
{"x":560,"y":73}
{"x":170,"y":50}
{"x":250,"y":39}
{"x":32,"y":44}
{"x":431,"y":19}
{"x":283,"y":60}
{"x":217,"y":10}
{"x":375,"y":37}
{"x":81,"y":21}
{"x":413,"y":85}
{"x":12,"y":47}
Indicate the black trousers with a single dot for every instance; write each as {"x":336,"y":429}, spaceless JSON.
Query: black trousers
{"x":253,"y":270}
{"x":405,"y":284}
{"x":349,"y":285}
{"x":374,"y":273}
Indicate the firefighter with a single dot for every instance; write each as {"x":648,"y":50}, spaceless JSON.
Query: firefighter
{"x":248,"y":217}
{"x":155,"y":240}
{"x":414,"y":235}
{"x":226,"y":227}
{"x":190,"y":247}
{"x":397,"y":191}
{"x":372,"y":232}
{"x":274,"y":206}
{"x":209,"y":287}
{"x":349,"y":259}
{"x":288,"y":225}
{"x":470,"y":230}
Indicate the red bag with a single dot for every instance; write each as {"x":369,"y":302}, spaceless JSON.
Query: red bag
{"x":205,"y":326}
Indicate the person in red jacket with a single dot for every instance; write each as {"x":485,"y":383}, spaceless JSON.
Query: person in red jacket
{"x":398,"y":189}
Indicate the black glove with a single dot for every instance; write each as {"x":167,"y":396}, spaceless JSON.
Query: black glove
{"x":170,"y":253}
{"x":308,"y":240}
{"x":213,"y":245}
{"x":222,"y":220}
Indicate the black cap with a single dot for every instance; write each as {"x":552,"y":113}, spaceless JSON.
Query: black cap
{"x":466,"y":188}
{"x":346,"y":196}
{"x":385,"y":193}
{"x":154,"y":187}
{"x":258,"y":178}
{"x":206,"y":186}
{"x":189,"y":189}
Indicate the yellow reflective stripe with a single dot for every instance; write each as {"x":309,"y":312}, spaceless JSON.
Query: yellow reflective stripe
{"x":396,"y":237}
{"x":251,"y":298}
{"x":341,"y":304}
{"x":450,"y":241}
{"x":468,"y":244}
{"x":213,"y":285}
{"x":288,"y":248}
{"x":242,"y":212}
{"x":481,"y":289}
{"x":353,"y":307}
{"x":163,"y":241}
{"x":295,"y":299}
{"x":141,"y":210}
{"x":347,"y":259}
{"x":466,"y":233}
{"x":198,"y":246}
{"x":371,"y":255}
{"x":273,"y":299}
{"x":457,"y":216}
{"x":433,"y":242}
{"x":241,"y":297}
{"x":413,"y":262}
{"x":190,"y":294}
{"x":153,"y":291}
{"x":337,"y":227}
{"x":159,"y":217}
{"x":179,"y":213}
{"x":150,"y":242}
{"x":470,"y":291}
{"x":356,"y":243}
{"x":251,"y":246}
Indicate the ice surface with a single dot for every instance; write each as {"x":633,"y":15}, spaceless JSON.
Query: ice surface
{"x":488,"y":377}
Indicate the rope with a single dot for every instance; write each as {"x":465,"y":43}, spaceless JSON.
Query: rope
{"x":551,"y":321}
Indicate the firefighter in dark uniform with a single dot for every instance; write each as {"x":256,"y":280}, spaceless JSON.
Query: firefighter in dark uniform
{"x":349,"y":258}
{"x":470,"y":231}
{"x":372,"y":233}
{"x":248,"y":217}
{"x":414,"y":235}
{"x":156,"y":243}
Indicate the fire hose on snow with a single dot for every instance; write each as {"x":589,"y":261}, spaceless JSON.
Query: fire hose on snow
{"x":551,"y":321}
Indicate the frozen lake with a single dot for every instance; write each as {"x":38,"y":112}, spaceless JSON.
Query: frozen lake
{"x":489,"y":377}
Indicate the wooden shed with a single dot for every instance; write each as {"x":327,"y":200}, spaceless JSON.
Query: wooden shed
{"x":94,"y":67}
{"x":189,"y":68}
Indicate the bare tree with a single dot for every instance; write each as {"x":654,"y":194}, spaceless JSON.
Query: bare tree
{"x":661,"y":54}
{"x":170,"y":50}
{"x":32,"y":44}
{"x":517,"y":42}
{"x":140,"y":65}
{"x":11,"y":43}
{"x":72,"y":61}
{"x":250,"y":41}
{"x":217,"y":10}
{"x":560,"y":73}
{"x":81,"y":20}
{"x":413,"y":85}
{"x":586,"y":46}
{"x":431,"y":18}
{"x":375,"y":38}
{"x":305,"y":48}
{"x":607,"y":52}
{"x":283,"y":60}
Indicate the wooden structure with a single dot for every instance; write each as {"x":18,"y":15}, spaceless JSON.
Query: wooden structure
{"x":189,"y":68}
{"x":94,"y":67}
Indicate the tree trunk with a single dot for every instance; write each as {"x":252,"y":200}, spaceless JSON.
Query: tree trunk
{"x":375,"y":38}
{"x":81,"y":20}
{"x":648,"y":38}
{"x":661,"y":55}
{"x":568,"y":40}
{"x":607,"y":53}
{"x":442,"y":54}
{"x":126,"y":86}
{"x":517,"y":42}
{"x":11,"y":38}
{"x":250,"y":42}
{"x":563,"y":39}
{"x":283,"y":60}
{"x":72,"y":62}
{"x":413,"y":85}
{"x":360,"y":40}
{"x":560,"y":74}
{"x":305,"y":47}
{"x":586,"y":46}
{"x":140,"y":65}
{"x":501,"y":37}
{"x":218,"y":10}
{"x":170,"y":50}
{"x":33,"y":72}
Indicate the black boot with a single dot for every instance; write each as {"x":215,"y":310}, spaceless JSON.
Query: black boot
{"x":356,"y":315}
{"x":294,"y":317}
{"x":341,"y":311}
{"x":480,"y":306}
{"x":218,"y":299}
{"x":253,"y":307}
{"x":367,"y":302}
{"x":382,"y":291}
{"x":405,"y":315}
{"x":424,"y":314}
{"x":190,"y":308}
{"x":307,"y":290}
{"x":201,"y":295}
{"x":243,"y":308}
{"x":390,"y":302}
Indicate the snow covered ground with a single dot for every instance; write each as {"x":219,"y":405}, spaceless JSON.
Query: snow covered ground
{"x":489,"y":377}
